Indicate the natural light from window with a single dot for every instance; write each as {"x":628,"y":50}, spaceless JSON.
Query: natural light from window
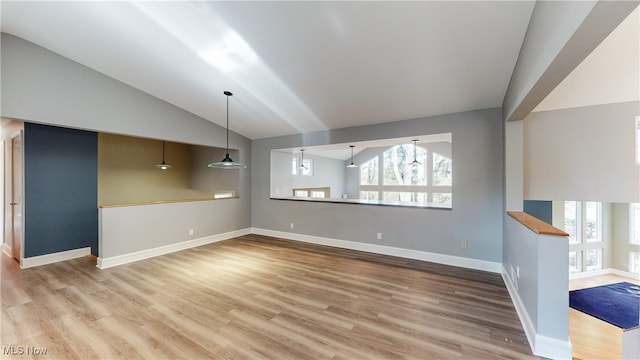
{"x":582,"y":220}
{"x":413,"y":171}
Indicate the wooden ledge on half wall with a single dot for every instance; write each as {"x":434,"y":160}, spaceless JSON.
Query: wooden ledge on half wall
{"x":165,"y":202}
{"x":536,"y":225}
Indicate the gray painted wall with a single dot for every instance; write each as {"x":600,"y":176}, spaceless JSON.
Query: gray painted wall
{"x":42,"y":87}
{"x":541,"y":289}
{"x":477,"y":187}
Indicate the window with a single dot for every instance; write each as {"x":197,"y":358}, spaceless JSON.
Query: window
{"x":401,"y":180}
{"x":223,"y":195}
{"x":389,"y":171}
{"x":399,"y":166}
{"x":369,"y":172}
{"x":571,"y":221}
{"x":574,"y":262}
{"x":306,"y":169}
{"x":442,"y":198}
{"x":582,"y":220}
{"x":369,"y":195}
{"x":593,"y":224}
{"x":638,"y":140}
{"x":318,"y":194}
{"x":634,"y":223}
{"x":405,"y":196}
{"x":442,"y":167}
{"x":301,"y":193}
{"x":593,"y":259}
{"x":634,"y":262}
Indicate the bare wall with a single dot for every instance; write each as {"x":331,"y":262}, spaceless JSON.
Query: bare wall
{"x":584,"y":153}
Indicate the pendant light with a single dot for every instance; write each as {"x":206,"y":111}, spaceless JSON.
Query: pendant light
{"x":227,"y":163}
{"x":302,"y":159}
{"x":352,"y":165}
{"x":163,"y":165}
{"x":415,"y":153}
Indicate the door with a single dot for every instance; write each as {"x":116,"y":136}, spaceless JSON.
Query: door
{"x":16,"y":194}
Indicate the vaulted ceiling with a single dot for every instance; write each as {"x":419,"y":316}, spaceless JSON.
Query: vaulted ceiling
{"x":294,"y":67}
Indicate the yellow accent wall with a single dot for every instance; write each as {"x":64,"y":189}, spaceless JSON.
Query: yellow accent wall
{"x":127,"y":172}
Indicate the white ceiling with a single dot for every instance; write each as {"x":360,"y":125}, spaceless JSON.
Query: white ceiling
{"x":294,"y":67}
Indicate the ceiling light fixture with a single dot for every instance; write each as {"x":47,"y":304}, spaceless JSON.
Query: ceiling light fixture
{"x":227,"y":163}
{"x":163,"y":165}
{"x":302,"y":159}
{"x":352,"y":165}
{"x":415,"y":153}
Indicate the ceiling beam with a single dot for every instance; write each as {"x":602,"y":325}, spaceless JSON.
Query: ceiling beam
{"x":559,"y":37}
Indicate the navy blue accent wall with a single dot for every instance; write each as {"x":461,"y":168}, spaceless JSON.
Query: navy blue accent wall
{"x":540,"y":209}
{"x":61,"y":189}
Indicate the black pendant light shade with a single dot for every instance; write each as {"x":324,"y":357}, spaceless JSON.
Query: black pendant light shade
{"x":352,"y":165}
{"x":227,"y":163}
{"x":163,"y":165}
{"x":415,"y":153}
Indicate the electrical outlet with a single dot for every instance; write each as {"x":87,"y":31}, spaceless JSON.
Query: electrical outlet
{"x":291,"y":225}
{"x":514,"y":276}
{"x":190,"y":231}
{"x":379,"y":236}
{"x":463,"y":244}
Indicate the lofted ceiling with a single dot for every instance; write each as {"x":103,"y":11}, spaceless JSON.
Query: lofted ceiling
{"x":294,"y":67}
{"x":610,"y":74}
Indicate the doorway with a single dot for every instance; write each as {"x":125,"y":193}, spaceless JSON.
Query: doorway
{"x":16,"y":195}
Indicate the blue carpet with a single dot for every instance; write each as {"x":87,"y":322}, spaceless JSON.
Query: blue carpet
{"x":618,"y":304}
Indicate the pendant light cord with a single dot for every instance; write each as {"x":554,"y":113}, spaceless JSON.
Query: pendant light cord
{"x":227,"y":124}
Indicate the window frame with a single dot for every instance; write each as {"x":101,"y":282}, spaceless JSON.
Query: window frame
{"x":634,"y":225}
{"x":582,"y":245}
{"x":428,"y":188}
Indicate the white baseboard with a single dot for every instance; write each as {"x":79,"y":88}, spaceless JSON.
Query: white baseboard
{"x":386,"y":250}
{"x":104,"y":263}
{"x":525,"y":320}
{"x":540,"y":345}
{"x":6,"y":248}
{"x":553,"y":348}
{"x":582,"y":275}
{"x":53,"y":258}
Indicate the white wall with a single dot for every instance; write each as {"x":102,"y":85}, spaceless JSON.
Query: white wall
{"x":327,"y":172}
{"x":621,"y":235}
{"x":582,"y":153}
{"x":514,"y":166}
{"x":145,"y":228}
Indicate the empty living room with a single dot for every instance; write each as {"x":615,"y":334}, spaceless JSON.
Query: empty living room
{"x":320,"y":180}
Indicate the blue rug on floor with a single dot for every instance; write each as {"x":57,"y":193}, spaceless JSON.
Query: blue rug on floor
{"x":618,"y":304}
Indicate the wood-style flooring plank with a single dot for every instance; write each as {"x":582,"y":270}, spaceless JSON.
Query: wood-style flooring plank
{"x":257,"y":297}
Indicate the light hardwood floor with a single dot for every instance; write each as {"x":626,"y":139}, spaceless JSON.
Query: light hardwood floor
{"x":592,"y":338}
{"x":257,"y":297}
